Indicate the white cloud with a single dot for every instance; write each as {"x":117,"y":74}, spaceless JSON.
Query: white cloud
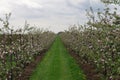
{"x":28,"y":3}
{"x":5,"y":7}
{"x":55,"y":13}
{"x":76,"y":2}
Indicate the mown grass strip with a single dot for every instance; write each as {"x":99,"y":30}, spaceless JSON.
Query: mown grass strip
{"x":57,"y":65}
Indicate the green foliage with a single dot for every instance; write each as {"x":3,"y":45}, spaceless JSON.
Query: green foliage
{"x":19,"y":47}
{"x":97,"y":44}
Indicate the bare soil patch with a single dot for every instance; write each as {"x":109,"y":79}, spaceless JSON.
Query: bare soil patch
{"x":89,"y":70}
{"x":30,"y":67}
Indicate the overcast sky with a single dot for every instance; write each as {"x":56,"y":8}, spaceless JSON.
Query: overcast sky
{"x":56,"y":15}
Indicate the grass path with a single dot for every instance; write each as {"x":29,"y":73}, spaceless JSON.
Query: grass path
{"x":57,"y":65}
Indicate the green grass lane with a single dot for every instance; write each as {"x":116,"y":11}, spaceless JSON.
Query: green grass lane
{"x":57,"y":65}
